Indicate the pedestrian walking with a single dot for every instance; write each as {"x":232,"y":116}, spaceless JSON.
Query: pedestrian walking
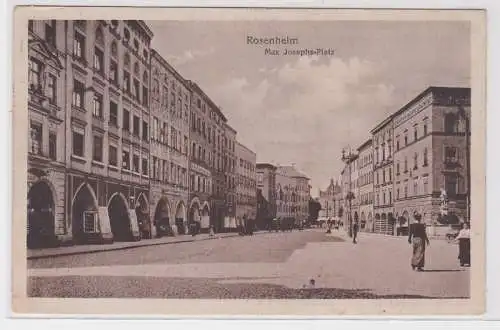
{"x":463,"y":239}
{"x":418,"y":236}
{"x":355,"y":229}
{"x":211,"y":232}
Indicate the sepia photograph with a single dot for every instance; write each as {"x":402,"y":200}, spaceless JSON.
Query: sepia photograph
{"x":226,"y":155}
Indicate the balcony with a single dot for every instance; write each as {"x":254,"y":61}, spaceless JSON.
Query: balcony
{"x":451,"y":164}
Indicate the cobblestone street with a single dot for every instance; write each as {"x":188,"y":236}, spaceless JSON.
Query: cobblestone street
{"x":267,"y":265}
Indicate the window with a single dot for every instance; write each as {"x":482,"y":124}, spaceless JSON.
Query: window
{"x":406,"y":140}
{"x":390,"y":174}
{"x":113,"y":72}
{"x":390,"y":197}
{"x":113,"y":156}
{"x":397,"y":193}
{"x":415,"y":134}
{"x":52,"y":88}
{"x":114,"y":50}
{"x":97,"y":154}
{"x":450,"y":155}
{"x":135,"y":163}
{"x":415,"y":161}
{"x":186,"y":144}
{"x":137,"y":91}
{"x":415,"y":187}
{"x":397,"y":144}
{"x":145,"y":130}
{"x":406,"y":165}
{"x":97,"y":102}
{"x":126,"y":159}
{"x":53,"y":145}
{"x":126,"y":35}
{"x":425,"y":157}
{"x":136,"y":127}
{"x":145,"y":95}
{"x":451,"y":183}
{"x":406,"y":190}
{"x":99,"y":60}
{"x":397,"y":168}
{"x":50,"y":32}
{"x":35,"y":72}
{"x":113,"y":113}
{"x":78,"y":144}
{"x":144,"y":166}
{"x":79,"y":46}
{"x":126,"y":81}
{"x":126,"y":120}
{"x":426,"y":185}
{"x":78,"y":94}
{"x":451,"y":123}
{"x":36,"y":138}
{"x":425,"y":129}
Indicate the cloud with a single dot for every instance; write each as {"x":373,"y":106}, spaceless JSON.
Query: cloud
{"x":190,"y":55}
{"x":307,"y":110}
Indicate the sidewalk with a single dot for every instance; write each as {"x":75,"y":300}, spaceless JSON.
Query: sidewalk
{"x":81,"y":249}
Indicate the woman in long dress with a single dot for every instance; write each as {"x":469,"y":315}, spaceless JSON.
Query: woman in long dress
{"x":463,"y":239}
{"x":418,"y":236}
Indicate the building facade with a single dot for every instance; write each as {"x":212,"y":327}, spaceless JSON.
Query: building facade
{"x":292,"y":194}
{"x":349,"y":202}
{"x":210,"y":124}
{"x":246,"y":185}
{"x":230,"y":176}
{"x":364,"y":186}
{"x":48,"y":223}
{"x":329,"y":201}
{"x":266,"y":194}
{"x":170,"y":101}
{"x":431,"y":156}
{"x":383,"y":160}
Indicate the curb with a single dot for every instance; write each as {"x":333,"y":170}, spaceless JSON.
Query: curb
{"x":127,"y":247}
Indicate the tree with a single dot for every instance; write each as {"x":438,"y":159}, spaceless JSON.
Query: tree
{"x":314,"y":208}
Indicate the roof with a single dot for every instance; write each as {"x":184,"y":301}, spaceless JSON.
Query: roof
{"x":291,"y":172}
{"x":365,"y":144}
{"x":163,"y":61}
{"x":194,"y":86}
{"x":433,"y":90}
{"x":242,"y":146}
{"x":265,"y":165}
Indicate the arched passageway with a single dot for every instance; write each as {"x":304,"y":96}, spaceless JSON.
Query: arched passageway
{"x":84,"y":216}
{"x":205,"y":216}
{"x":119,"y":219}
{"x":162,"y":218}
{"x":180,"y":215}
{"x":142,"y":213}
{"x":40,"y":231}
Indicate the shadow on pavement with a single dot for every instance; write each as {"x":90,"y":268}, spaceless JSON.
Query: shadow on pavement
{"x":442,"y":270}
{"x":188,"y":288}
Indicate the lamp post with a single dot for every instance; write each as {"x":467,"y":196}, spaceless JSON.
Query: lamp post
{"x":347,"y":159}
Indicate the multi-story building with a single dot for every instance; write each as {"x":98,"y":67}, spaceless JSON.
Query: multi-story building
{"x":106,"y":136}
{"x":364,"y":191}
{"x":383,"y":156}
{"x":329,"y":201}
{"x":266,"y":194}
{"x":202,"y":157}
{"x":292,"y":194}
{"x":349,"y":202}
{"x":48,"y":223}
{"x":246,"y":186}
{"x":431,"y":157}
{"x":170,"y":101}
{"x":230,"y":176}
{"x":212,"y":121}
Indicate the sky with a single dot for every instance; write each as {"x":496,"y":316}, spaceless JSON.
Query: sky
{"x":303,"y":110}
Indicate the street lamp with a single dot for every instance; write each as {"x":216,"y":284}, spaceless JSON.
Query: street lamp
{"x":347,"y":159}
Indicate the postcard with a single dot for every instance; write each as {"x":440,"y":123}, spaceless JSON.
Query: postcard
{"x":187,"y":162}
